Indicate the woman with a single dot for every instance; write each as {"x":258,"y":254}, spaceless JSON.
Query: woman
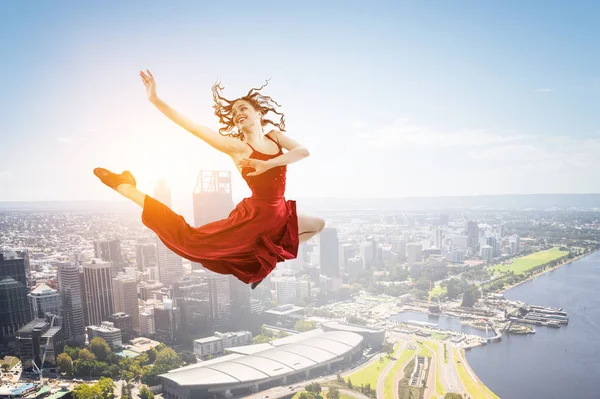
{"x":263,"y":229}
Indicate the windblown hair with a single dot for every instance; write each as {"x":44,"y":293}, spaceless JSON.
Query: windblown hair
{"x":224,"y":109}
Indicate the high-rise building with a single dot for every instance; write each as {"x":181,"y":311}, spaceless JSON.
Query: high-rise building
{"x":399,"y":247}
{"x":44,"y":299}
{"x":167,"y":318}
{"x":414,"y":252}
{"x":487,"y":253}
{"x":170,"y":265}
{"x":213,"y":201}
{"x":439,"y":237}
{"x":125,"y":298}
{"x":147,"y":326}
{"x":15,"y":311}
{"x":219,"y":296}
{"x":69,"y":286}
{"x":99,"y":291}
{"x":145,"y":256}
{"x":191,"y":297}
{"x":108,"y":332}
{"x":285,"y":289}
{"x":110,"y":251}
{"x":473,"y":235}
{"x":330,"y":252}
{"x":124,"y":322}
{"x":37,"y":337}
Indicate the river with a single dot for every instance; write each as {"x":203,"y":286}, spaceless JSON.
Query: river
{"x":552,"y":363}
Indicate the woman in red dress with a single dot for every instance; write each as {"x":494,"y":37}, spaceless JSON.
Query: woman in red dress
{"x":263,"y":229}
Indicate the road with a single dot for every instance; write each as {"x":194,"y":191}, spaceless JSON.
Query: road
{"x":384,"y":373}
{"x":451,"y":378}
{"x":400,"y":374}
{"x":431,"y":377}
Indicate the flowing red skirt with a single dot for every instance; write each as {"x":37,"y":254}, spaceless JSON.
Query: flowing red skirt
{"x":248,"y":244}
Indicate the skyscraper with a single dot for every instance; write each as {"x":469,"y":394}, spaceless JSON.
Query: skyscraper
{"x":15,"y":311}
{"x":473,"y":235}
{"x":145,"y":256}
{"x":69,"y":286}
{"x":170,"y":265}
{"x":99,"y":291}
{"x":126,"y":299}
{"x":212,"y":202}
{"x":108,"y":250}
{"x":330,"y":252}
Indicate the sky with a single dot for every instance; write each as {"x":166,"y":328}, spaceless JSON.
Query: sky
{"x":392,"y":99}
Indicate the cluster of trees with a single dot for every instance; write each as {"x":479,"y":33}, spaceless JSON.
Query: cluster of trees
{"x":314,"y":390}
{"x":267,"y":335}
{"x":305,"y":325}
{"x":99,"y":361}
{"x":103,"y":389}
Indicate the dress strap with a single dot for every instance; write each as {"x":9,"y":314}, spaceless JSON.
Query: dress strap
{"x":251,"y":147}
{"x":273,"y":140}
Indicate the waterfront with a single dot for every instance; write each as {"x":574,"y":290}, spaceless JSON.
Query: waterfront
{"x":553,"y":363}
{"x":443,"y":322}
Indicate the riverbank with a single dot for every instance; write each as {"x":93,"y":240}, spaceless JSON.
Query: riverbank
{"x":533,"y":276}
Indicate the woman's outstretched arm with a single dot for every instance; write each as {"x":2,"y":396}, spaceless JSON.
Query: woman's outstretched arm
{"x":222,"y":143}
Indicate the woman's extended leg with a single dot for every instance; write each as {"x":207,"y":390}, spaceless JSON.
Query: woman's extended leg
{"x":170,"y":227}
{"x":309,"y":226}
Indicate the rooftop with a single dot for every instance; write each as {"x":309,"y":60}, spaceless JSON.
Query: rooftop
{"x":281,"y":357}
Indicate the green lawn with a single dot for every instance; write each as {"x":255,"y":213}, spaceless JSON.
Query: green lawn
{"x":522,"y":265}
{"x":388,"y":392}
{"x":370,"y":374}
{"x":438,"y":336}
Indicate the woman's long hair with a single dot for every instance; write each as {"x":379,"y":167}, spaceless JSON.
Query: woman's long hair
{"x":263,"y":104}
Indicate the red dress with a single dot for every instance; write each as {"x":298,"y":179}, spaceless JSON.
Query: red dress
{"x":261,"y":231}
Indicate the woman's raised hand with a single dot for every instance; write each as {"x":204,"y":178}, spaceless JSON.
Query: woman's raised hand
{"x":150,"y":84}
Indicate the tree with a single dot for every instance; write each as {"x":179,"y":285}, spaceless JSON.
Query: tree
{"x":305,"y":325}
{"x":168,"y":357}
{"x":114,"y":371}
{"x":72,"y":352}
{"x":450,"y":395}
{"x":261,"y":339}
{"x":349,"y":383}
{"x":85,"y":354}
{"x":333,"y":393}
{"x":125,"y":391}
{"x":303,"y":395}
{"x":107,"y":387}
{"x":87,"y":391}
{"x":388,"y":347}
{"x":188,"y":357}
{"x":146,"y":393}
{"x":152,"y":353}
{"x":100,"y":348}
{"x":65,"y":364}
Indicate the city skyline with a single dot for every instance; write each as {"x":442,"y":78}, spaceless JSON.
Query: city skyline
{"x":400,"y":100}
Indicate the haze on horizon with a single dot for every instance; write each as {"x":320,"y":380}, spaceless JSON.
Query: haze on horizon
{"x":393,"y":99}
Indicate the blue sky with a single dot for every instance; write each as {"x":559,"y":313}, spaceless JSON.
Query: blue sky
{"x":393,"y":99}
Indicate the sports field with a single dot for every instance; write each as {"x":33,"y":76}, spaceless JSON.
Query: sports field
{"x":522,"y":265}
